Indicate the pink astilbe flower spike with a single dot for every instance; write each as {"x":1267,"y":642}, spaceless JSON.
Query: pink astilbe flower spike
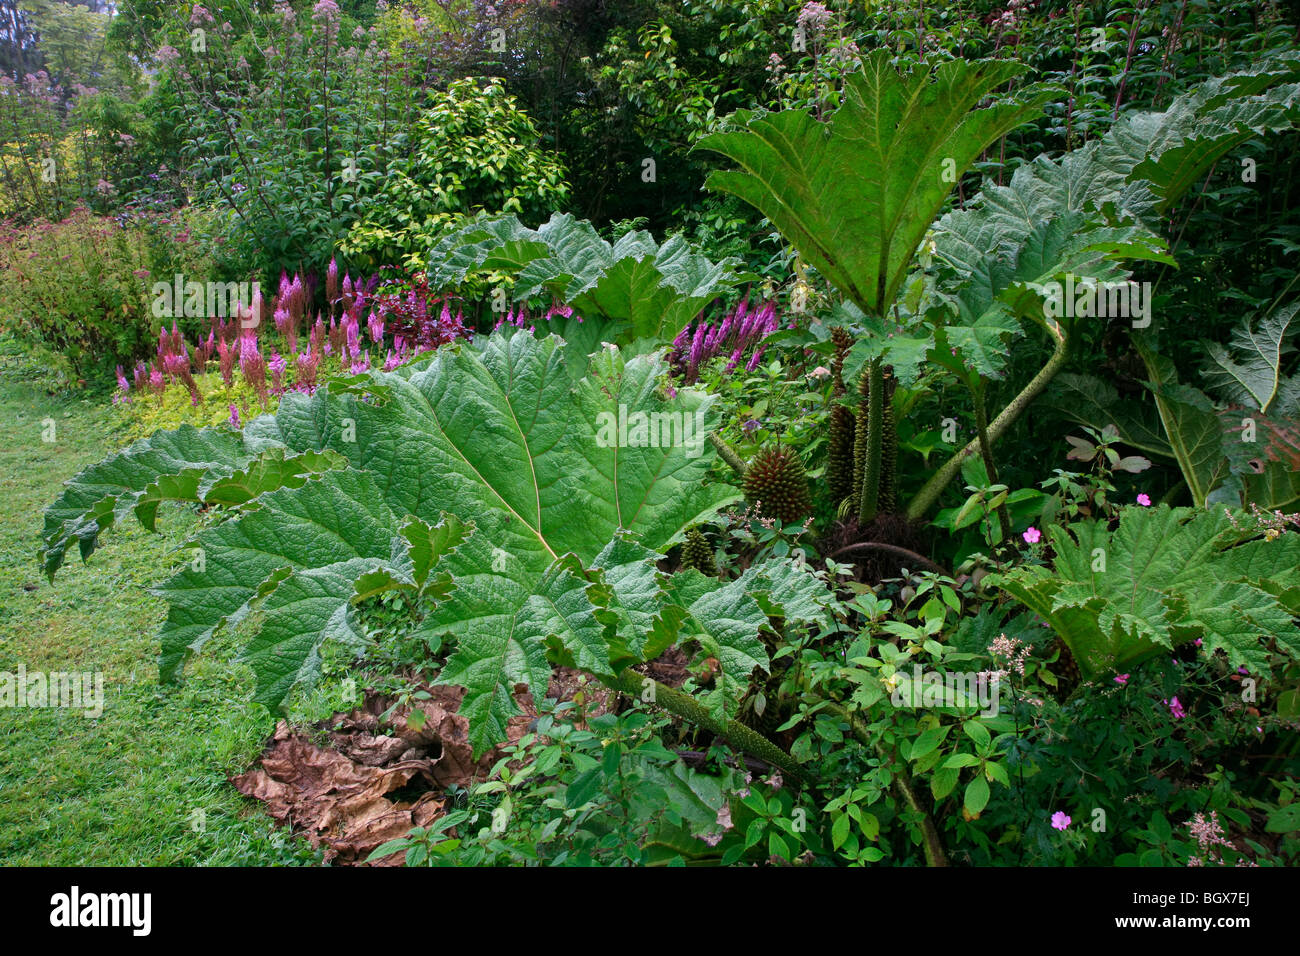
{"x":253,"y":367}
{"x":226,"y":359}
{"x":277,"y":366}
{"x":305,"y":366}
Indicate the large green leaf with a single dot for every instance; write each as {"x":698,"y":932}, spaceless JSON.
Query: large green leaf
{"x":1194,"y":429}
{"x":547,"y":473}
{"x":1166,"y":576}
{"x":1171,"y":151}
{"x":1096,"y":205}
{"x":510,"y":624}
{"x":856,"y":194}
{"x":207,"y":466}
{"x":642,"y":289}
{"x":1091,"y":401}
{"x":1250,"y":370}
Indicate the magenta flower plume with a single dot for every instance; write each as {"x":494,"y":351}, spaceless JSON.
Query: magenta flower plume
{"x":305,"y":366}
{"x":332,"y":282}
{"x":297,"y":299}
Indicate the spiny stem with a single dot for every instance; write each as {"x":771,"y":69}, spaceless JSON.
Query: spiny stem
{"x":727,"y":454}
{"x":927,"y":497}
{"x":986,"y":452}
{"x":688,"y":708}
{"x":891,"y":549}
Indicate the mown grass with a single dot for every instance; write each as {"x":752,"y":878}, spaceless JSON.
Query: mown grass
{"x":146,"y":782}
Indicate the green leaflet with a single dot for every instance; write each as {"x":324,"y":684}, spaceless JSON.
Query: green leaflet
{"x":855,"y":195}
{"x":1249,"y":369}
{"x":1166,"y":576}
{"x":1085,"y":212}
{"x":208,"y":465}
{"x":511,"y":624}
{"x":481,"y":481}
{"x":644,"y":289}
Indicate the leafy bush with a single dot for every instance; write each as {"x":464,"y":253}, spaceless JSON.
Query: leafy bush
{"x":289,"y":122}
{"x":1164,"y":577}
{"x":472,"y":150}
{"x":82,"y":285}
{"x":641,"y":289}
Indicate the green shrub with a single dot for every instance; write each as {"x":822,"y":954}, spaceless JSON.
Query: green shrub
{"x":82,"y":285}
{"x":473,"y":150}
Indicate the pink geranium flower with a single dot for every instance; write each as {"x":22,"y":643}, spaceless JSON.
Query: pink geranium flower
{"x":1060,"y":820}
{"x":1144,"y":501}
{"x":1033,"y":536}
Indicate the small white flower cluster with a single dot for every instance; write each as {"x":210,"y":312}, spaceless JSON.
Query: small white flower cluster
{"x":814,"y":17}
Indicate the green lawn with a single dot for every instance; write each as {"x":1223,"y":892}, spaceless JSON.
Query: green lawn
{"x":145,"y":783}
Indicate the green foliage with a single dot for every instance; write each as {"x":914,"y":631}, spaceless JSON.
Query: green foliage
{"x":916,"y":133}
{"x":1163,"y":578}
{"x":640,"y":288}
{"x":473,"y":149}
{"x":563,"y":796}
{"x":82,"y":285}
{"x":1251,"y":369}
{"x":1244,"y":451}
{"x":541,"y":570}
{"x":288,"y":120}
{"x":1101,"y":203}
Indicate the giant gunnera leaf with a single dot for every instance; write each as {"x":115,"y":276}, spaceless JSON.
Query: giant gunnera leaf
{"x":857,"y":193}
{"x":640,"y":288}
{"x":1164,"y":577}
{"x":523,"y":514}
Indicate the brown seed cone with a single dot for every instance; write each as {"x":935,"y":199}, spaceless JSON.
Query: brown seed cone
{"x":861,"y":432}
{"x":843,"y":342}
